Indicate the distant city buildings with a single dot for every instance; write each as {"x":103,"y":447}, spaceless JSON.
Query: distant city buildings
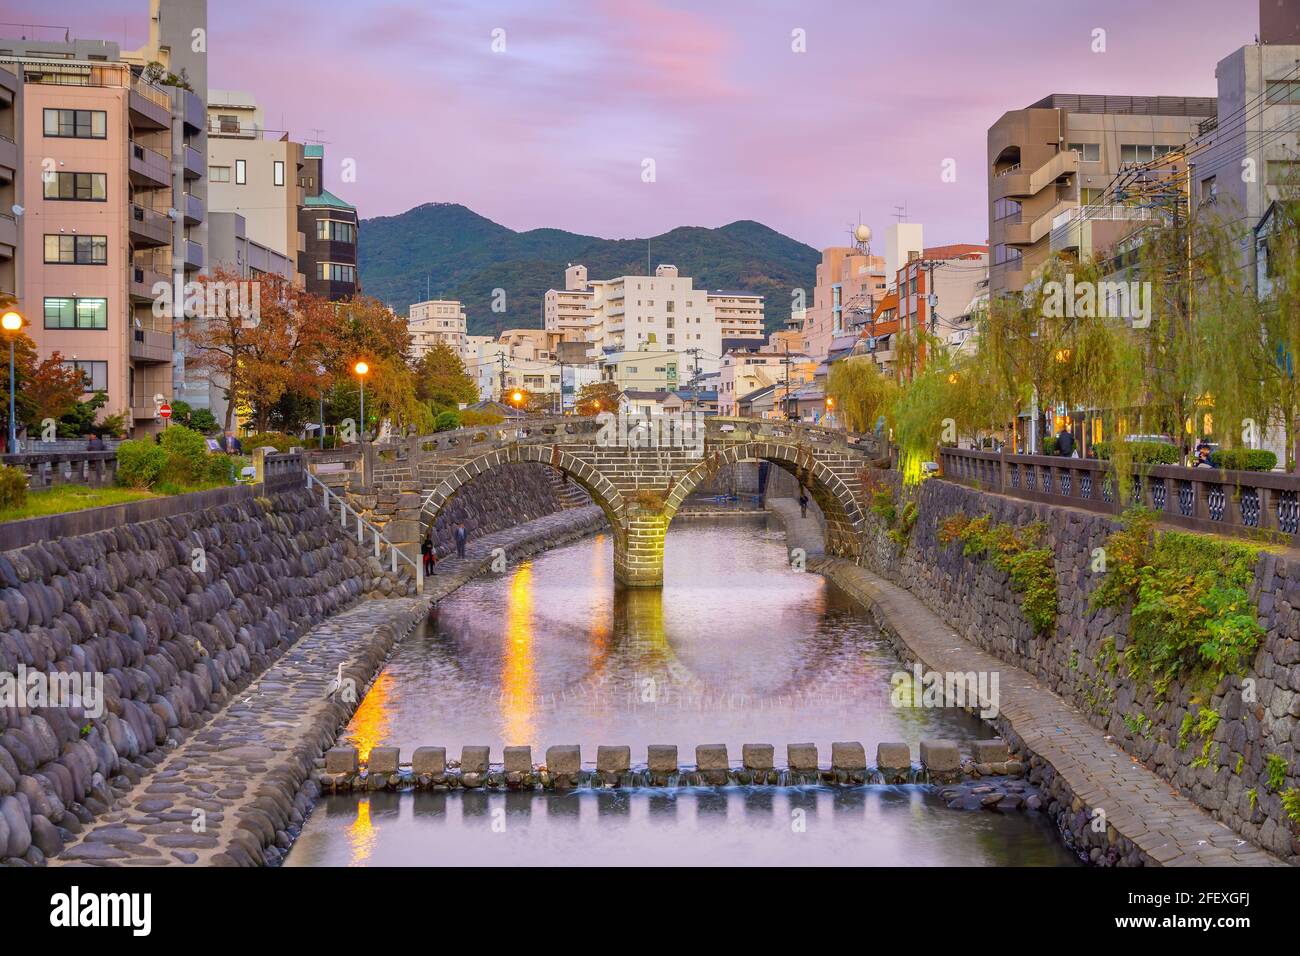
{"x":437,"y":321}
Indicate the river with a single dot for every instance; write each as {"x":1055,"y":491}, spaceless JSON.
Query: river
{"x":736,"y":648}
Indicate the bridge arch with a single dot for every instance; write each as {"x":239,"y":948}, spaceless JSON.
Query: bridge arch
{"x":831,"y":491}
{"x":601,"y":490}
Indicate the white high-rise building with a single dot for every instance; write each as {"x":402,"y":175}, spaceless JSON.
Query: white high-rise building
{"x":663,"y":312}
{"x":434,"y":321}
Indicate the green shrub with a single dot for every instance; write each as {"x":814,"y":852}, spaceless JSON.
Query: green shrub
{"x":1143,"y":452}
{"x":1013,"y":550}
{"x":221,"y":469}
{"x":446,"y":421}
{"x":1049,"y":445}
{"x":277,"y":440}
{"x":1190,"y":595}
{"x":187,"y":455}
{"x":1274,"y":772}
{"x":13,"y":487}
{"x":1243,"y":459}
{"x":139,"y":463}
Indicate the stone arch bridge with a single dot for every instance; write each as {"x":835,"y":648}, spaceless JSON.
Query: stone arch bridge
{"x":639,"y":489}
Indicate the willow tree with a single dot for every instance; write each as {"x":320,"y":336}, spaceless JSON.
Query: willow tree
{"x":863,"y":392}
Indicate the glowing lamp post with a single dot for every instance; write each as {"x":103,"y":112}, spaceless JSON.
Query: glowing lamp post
{"x":11,"y":322}
{"x":361,"y":368}
{"x":830,"y":407}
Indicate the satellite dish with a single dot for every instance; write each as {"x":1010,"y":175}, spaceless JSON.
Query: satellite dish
{"x":862,"y":233}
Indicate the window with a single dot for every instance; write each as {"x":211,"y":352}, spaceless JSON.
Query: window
{"x":219,"y":174}
{"x":278,"y":173}
{"x":1284,"y":91}
{"x":1005,"y":254}
{"x":1088,"y":152}
{"x":241,"y":172}
{"x":77,"y":250}
{"x":1006,"y":209}
{"x":1142,"y":153}
{"x":336,"y":272}
{"x":1209,"y":189}
{"x":73,"y":313}
{"x":332,"y":230}
{"x":76,"y":124}
{"x":670,"y":306}
{"x":1088,"y":195}
{"x":95,"y":374}
{"x":85,"y":187}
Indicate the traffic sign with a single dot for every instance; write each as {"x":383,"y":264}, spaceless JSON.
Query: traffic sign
{"x":165,"y":410}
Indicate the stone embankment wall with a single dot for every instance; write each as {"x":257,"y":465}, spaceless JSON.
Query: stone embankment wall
{"x":1082,"y":659}
{"x":172,"y":615}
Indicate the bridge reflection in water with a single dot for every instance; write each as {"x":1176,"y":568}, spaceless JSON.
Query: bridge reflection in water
{"x":736,"y":648}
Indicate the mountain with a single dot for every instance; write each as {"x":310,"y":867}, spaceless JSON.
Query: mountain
{"x":445,"y":251}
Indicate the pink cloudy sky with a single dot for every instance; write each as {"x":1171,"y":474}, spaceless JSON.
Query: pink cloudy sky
{"x":553,"y":131}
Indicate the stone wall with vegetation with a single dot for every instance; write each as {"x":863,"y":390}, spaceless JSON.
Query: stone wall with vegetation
{"x":1185,"y":648}
{"x":173,"y":637}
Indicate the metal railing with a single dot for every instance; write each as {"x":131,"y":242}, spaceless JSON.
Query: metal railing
{"x":378,"y":540}
{"x":1202,"y":499}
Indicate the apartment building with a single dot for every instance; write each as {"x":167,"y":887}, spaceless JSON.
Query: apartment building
{"x":645,"y":369}
{"x":660,"y":312}
{"x":849,"y":282}
{"x":1061,"y":152}
{"x":745,"y":372}
{"x":934,"y":291}
{"x":1249,"y":152}
{"x":434,"y":321}
{"x":11,"y":188}
{"x":254,"y":173}
{"x":329,"y":225}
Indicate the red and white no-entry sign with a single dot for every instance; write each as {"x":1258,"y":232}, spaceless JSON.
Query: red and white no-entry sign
{"x":165,"y":410}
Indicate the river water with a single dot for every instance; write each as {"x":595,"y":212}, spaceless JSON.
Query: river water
{"x":736,"y":648}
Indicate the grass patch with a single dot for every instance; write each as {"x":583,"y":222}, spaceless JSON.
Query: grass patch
{"x":65,"y":498}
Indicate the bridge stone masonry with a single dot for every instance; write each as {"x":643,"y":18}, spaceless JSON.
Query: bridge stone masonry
{"x":638,"y":483}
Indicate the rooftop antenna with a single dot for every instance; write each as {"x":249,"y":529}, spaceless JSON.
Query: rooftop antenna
{"x":900,"y":212}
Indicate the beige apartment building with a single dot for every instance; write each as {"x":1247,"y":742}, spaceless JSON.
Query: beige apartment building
{"x":1062,"y":152}
{"x":254,"y":173}
{"x":849,"y":283}
{"x":434,"y":321}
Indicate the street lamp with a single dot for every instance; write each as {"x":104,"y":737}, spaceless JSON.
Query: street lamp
{"x":361,"y":368}
{"x":12,"y":321}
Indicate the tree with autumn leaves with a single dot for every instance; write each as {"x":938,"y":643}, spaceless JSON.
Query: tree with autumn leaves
{"x":48,"y":388}
{"x":301,"y":351}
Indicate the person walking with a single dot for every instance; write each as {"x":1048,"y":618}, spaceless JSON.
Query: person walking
{"x":461,"y":536}
{"x":426,"y":549}
{"x":803,"y":504}
{"x":96,"y":444}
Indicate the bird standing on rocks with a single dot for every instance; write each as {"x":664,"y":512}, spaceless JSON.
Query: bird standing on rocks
{"x":335,"y":684}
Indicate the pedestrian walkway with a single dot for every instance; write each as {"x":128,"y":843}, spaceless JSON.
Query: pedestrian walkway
{"x":800,"y":532}
{"x":1166,"y":827}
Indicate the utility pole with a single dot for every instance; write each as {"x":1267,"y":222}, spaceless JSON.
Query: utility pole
{"x":785,"y":382}
{"x":501,"y":356}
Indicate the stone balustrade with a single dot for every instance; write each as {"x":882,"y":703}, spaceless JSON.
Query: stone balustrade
{"x":49,"y":469}
{"x":941,"y":762}
{"x":1202,"y":499}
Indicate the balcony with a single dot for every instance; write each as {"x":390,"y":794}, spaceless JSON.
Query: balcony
{"x":148,"y":228}
{"x":1089,"y":230}
{"x":195,"y":167}
{"x":142,"y":282}
{"x":194,"y":210}
{"x":1017,"y":182}
{"x":193,"y":113}
{"x":8,"y":236}
{"x":151,"y":347}
{"x":8,"y":159}
{"x":193,"y":255}
{"x":149,"y":169}
{"x":150,"y":107}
